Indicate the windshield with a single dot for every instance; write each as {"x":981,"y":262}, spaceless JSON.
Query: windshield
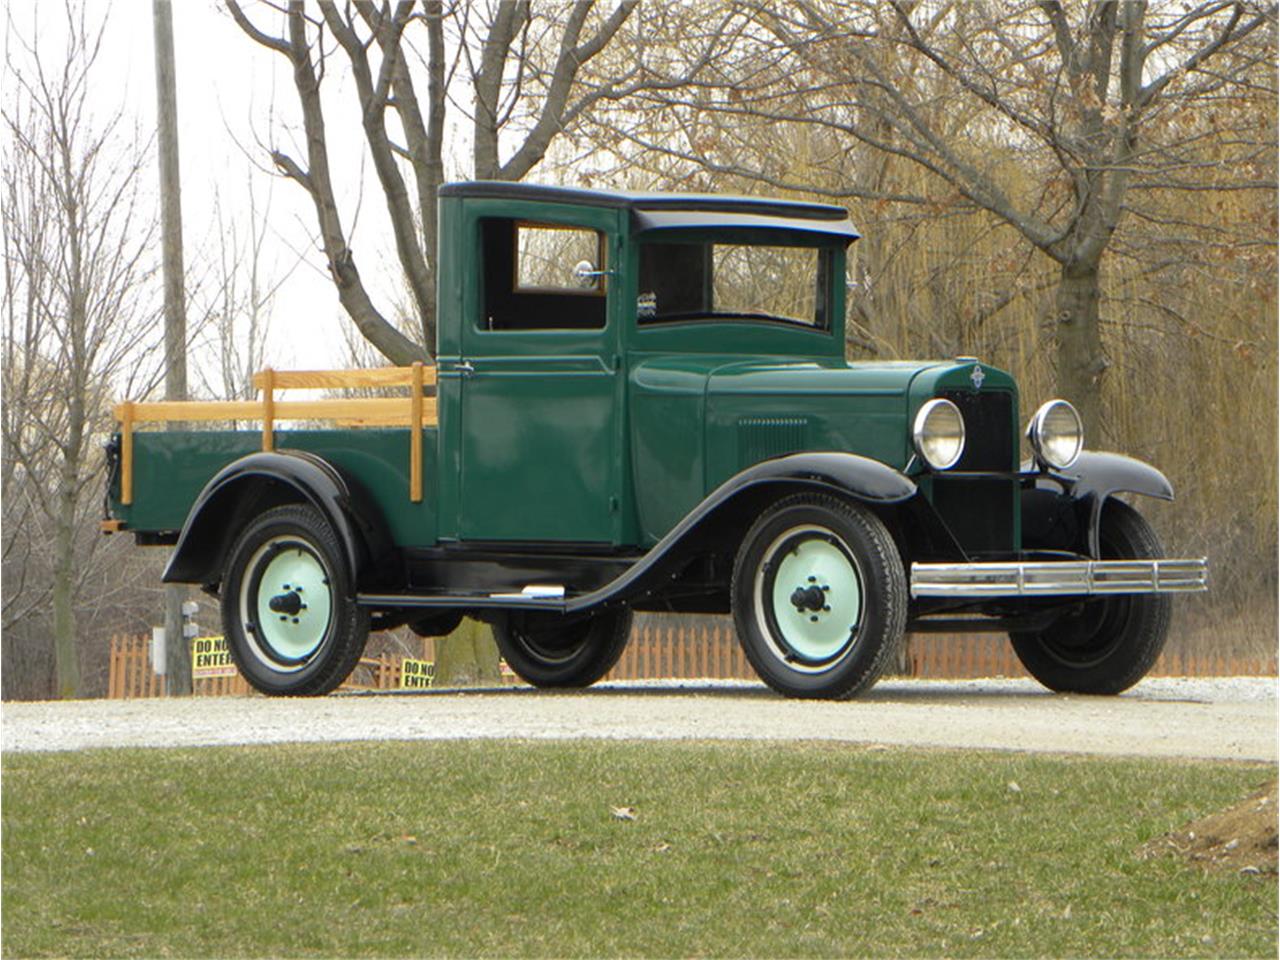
{"x":733,"y":281}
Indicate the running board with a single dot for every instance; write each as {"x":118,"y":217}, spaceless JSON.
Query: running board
{"x":499,"y":601}
{"x":1059,"y":578}
{"x":540,"y":598}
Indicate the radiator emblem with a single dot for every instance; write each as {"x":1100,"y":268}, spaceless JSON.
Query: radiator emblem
{"x":977,"y":376}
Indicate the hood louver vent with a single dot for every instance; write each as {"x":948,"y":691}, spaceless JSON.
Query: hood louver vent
{"x":760,"y":438}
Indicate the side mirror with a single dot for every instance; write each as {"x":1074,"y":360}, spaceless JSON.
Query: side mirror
{"x":584,"y":274}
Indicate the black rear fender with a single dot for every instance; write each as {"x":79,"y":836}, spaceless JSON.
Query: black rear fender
{"x":260,"y":481}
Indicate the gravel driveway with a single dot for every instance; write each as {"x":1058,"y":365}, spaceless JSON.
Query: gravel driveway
{"x":1224,"y":718}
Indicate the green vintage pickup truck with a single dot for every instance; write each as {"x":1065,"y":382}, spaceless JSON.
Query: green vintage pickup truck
{"x":641,"y":402}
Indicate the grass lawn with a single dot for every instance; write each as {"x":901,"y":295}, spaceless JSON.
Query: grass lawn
{"x":481,"y":848}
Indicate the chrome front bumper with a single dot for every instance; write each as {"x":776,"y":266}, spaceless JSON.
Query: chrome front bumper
{"x":1058,"y":578}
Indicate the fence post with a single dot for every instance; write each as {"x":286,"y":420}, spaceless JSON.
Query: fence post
{"x":132,"y":673}
{"x":156,"y":681}
{"x":627,"y":665}
{"x":702,"y":653}
{"x":131,"y":670}
{"x":111,"y":670}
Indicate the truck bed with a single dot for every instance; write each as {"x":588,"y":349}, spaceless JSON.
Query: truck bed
{"x":171,"y":468}
{"x":390,"y":444}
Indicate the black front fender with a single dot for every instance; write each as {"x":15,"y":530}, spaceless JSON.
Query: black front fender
{"x":258,"y":482}
{"x":848,"y":473}
{"x":1086,"y":487}
{"x":729,"y":509}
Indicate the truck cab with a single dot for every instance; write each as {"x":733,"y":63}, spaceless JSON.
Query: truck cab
{"x":576,"y":342}
{"x":642,"y":403}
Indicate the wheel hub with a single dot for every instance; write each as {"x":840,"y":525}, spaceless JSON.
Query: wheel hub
{"x":289,"y":603}
{"x":810,"y":598}
{"x":814,"y":593}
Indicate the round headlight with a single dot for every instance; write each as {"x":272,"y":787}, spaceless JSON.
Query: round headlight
{"x":939,"y":433}
{"x":1056,"y":434}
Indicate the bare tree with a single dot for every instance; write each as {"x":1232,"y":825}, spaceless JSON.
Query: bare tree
{"x":79,"y":316}
{"x":525,"y":70}
{"x":232,"y":290}
{"x":1058,"y":120}
{"x":516,"y":74}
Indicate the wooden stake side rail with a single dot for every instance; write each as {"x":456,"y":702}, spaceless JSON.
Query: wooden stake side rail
{"x":343,"y":379}
{"x":415,"y":410}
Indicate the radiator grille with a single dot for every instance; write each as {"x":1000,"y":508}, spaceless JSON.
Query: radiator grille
{"x":980,"y":510}
{"x":989,"y":429}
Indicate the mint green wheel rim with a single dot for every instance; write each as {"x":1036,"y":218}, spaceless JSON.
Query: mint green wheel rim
{"x":814,"y":566}
{"x":287,"y":633}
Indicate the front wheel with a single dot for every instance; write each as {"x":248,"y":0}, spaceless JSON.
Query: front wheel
{"x":1105,"y":645}
{"x":289,"y":615}
{"x":819,"y":597}
{"x":549,"y":650}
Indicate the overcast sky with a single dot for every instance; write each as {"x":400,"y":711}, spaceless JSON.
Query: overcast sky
{"x":233,"y":94}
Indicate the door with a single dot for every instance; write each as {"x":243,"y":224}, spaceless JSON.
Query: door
{"x":539,"y":390}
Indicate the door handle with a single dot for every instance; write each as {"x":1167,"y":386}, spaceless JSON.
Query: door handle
{"x":464,"y":367}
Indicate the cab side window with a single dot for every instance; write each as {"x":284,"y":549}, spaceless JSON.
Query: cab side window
{"x":530,"y":276}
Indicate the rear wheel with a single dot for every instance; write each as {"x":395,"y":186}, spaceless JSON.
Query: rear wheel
{"x":550,"y":650}
{"x":1106,"y":645}
{"x":819,"y":597}
{"x":288,"y":612}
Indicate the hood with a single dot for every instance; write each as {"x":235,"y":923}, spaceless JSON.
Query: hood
{"x":720,"y":375}
{"x":808,"y":377}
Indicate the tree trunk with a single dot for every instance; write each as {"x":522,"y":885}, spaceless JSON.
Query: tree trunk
{"x":177,"y":652}
{"x":66,"y":656}
{"x":467,"y":657}
{"x":1080,"y":358}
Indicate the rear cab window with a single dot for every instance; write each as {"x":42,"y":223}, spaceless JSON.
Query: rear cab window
{"x":708,"y":281}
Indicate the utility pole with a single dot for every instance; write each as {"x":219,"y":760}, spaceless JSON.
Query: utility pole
{"x":177,"y":680}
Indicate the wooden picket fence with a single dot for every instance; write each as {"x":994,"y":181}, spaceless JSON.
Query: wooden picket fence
{"x":698,"y":651}
{"x":713,"y":651}
{"x":129,"y":674}
{"x":683,"y":652}
{"x":942,"y":657}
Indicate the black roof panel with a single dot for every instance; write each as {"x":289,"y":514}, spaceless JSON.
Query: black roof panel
{"x":637,"y":202}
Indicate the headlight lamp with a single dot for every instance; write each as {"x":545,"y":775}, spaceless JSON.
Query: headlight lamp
{"x":939,"y":433}
{"x":1056,"y":434}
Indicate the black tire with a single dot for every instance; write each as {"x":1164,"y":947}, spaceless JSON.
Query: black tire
{"x":548,"y":650}
{"x":1106,"y":645}
{"x":799,"y":645}
{"x":302,"y":635}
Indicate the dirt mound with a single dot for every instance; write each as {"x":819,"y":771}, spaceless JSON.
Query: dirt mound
{"x":1242,"y":838}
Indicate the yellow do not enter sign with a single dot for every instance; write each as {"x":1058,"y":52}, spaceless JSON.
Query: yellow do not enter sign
{"x":210,"y":657}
